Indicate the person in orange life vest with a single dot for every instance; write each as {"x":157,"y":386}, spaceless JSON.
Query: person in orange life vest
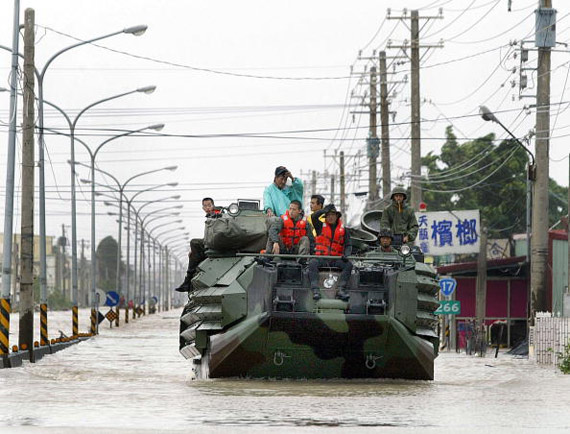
{"x":197,"y":250}
{"x":332,"y":239}
{"x":385,"y":237}
{"x":291,"y":233}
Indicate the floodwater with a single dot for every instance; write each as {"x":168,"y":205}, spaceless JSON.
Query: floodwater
{"x":132,"y":379}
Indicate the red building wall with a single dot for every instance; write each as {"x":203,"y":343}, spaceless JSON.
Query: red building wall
{"x":465,"y":293}
{"x":519,"y":298}
{"x":497,"y":298}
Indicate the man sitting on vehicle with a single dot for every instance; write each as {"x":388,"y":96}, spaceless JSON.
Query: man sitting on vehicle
{"x":197,"y":250}
{"x":332,"y":239}
{"x":385,"y":237}
{"x":291,"y":234}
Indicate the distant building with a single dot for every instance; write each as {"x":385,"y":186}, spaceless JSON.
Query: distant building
{"x":508,"y":286}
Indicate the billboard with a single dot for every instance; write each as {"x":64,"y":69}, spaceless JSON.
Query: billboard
{"x":448,"y":232}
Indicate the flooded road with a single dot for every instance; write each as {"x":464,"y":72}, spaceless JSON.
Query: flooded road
{"x":132,"y":379}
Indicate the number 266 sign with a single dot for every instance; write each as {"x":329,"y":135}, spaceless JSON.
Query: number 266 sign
{"x":449,"y":307}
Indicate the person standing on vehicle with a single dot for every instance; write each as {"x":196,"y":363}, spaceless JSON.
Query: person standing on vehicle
{"x":278,"y":195}
{"x":291,"y":234}
{"x":399,"y":218}
{"x":197,"y":250}
{"x":332,"y":239}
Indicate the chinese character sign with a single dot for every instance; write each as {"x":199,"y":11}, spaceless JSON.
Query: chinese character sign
{"x":444,"y":232}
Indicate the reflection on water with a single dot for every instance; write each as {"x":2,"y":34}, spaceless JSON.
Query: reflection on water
{"x":134,"y":377}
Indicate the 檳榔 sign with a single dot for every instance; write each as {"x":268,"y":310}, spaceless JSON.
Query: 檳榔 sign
{"x":445,"y":232}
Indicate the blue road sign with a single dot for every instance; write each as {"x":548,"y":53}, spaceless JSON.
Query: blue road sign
{"x":112,"y":299}
{"x":447,"y":285}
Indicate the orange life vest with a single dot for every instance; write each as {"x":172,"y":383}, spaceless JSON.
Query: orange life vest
{"x":292,"y":232}
{"x":328,"y":244}
{"x":214,"y":212}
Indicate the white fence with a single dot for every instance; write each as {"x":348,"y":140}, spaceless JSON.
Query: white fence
{"x":549,"y":336}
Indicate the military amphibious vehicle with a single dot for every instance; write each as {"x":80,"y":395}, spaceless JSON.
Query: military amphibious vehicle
{"x":253,"y":315}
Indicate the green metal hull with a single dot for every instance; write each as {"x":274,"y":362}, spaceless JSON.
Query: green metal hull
{"x":249,"y":317}
{"x":325,"y":345}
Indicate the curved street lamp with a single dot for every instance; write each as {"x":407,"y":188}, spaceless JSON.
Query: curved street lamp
{"x":120,"y":189}
{"x":9,"y":200}
{"x":488,"y":115}
{"x":72,"y":127}
{"x":142,"y":221}
{"x":93,"y":156}
{"x":129,"y":206}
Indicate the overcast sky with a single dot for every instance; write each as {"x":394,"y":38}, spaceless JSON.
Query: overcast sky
{"x":279,"y":70}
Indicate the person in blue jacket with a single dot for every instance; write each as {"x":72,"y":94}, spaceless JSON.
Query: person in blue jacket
{"x":278,"y":195}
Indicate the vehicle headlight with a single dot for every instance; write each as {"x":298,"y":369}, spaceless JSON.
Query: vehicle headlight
{"x":405,"y":250}
{"x":233,"y":209}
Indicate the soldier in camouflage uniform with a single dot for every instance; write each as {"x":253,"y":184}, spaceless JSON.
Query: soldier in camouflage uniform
{"x":399,"y":217}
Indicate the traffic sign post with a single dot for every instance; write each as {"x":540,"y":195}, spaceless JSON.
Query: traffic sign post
{"x":447,"y":285}
{"x":449,"y":307}
{"x":112,"y":298}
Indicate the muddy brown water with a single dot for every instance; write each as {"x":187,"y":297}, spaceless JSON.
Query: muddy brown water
{"x":132,"y":379}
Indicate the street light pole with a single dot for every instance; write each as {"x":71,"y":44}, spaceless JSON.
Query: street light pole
{"x":129,"y":229}
{"x":140,"y":250}
{"x":10,"y":183}
{"x":488,"y":115}
{"x":93,"y":156}
{"x":120,"y":190}
{"x":136,"y":30}
{"x":72,"y":128}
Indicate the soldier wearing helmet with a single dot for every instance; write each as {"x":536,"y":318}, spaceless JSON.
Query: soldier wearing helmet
{"x":399,"y":218}
{"x":385,"y":238}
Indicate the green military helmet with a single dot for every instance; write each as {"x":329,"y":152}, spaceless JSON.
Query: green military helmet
{"x":399,"y":190}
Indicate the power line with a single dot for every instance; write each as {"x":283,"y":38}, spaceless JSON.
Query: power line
{"x":195,"y":68}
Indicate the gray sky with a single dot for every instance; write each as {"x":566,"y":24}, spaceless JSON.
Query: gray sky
{"x":263,"y":53}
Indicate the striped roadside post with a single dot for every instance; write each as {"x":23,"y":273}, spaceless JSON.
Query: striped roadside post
{"x":93,"y":322}
{"x":75,"y":320}
{"x":43,"y":325}
{"x":118,"y":314}
{"x":4,"y":326}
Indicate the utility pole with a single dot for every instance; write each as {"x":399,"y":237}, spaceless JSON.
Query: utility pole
{"x":416,"y":196}
{"x":481,"y":290}
{"x":16,"y":262}
{"x":416,"y":193}
{"x":82,"y":271}
{"x":26,"y":333}
{"x":342,"y":185}
{"x":385,"y":121}
{"x":332,"y":188}
{"x":314,"y":182}
{"x":5,"y":305}
{"x":545,"y":39}
{"x":372,"y":140}
{"x":63,"y":262}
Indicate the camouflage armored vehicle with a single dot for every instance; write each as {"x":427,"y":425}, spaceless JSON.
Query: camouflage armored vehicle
{"x":250,"y":315}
